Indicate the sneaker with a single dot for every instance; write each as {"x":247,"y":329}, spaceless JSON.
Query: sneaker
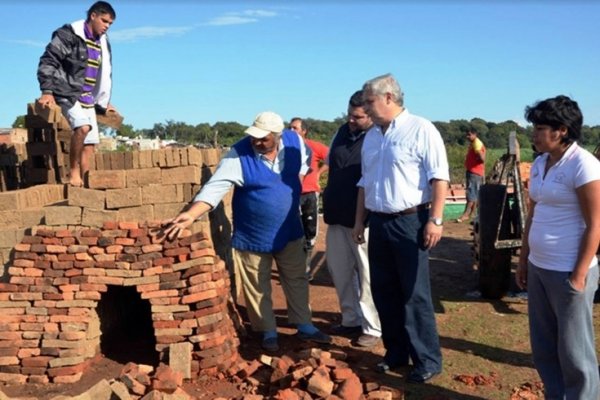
{"x":343,"y":330}
{"x":367,"y":340}
{"x":317,"y":337}
{"x":270,"y":344}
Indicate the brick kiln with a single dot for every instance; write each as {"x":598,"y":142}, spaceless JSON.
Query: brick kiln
{"x":70,"y":291}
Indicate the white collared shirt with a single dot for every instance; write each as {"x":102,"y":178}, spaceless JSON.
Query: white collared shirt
{"x":397,"y":166}
{"x":557,"y":225}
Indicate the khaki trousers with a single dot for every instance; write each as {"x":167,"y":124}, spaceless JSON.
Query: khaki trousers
{"x":254,"y":270}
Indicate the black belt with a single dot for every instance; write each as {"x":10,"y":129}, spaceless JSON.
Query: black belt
{"x":408,"y":211}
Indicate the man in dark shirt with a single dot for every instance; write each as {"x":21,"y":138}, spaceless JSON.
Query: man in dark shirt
{"x":348,"y":262}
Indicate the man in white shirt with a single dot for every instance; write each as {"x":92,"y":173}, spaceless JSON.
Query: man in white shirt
{"x":403,"y":189}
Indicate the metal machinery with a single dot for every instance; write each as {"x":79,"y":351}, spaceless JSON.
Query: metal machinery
{"x":500,"y":223}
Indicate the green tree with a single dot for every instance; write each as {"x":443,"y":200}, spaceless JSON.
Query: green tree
{"x":19,"y":122}
{"x":127,"y":130}
{"x":228,"y":133}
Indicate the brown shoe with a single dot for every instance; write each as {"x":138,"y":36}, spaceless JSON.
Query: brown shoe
{"x":366,"y":340}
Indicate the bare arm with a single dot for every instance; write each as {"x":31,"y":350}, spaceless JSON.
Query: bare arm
{"x":480,"y":155}
{"x":175,"y":226}
{"x":360,"y":216}
{"x":589,"y":202}
{"x":432,"y":233}
{"x":521,"y":272}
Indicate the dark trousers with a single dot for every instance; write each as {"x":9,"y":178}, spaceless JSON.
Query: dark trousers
{"x":401,"y":290}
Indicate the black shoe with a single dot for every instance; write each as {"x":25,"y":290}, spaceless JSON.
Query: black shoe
{"x":270,"y":344}
{"x":317,"y":337}
{"x":421,"y":377}
{"x":384,"y":367}
{"x":343,"y":330}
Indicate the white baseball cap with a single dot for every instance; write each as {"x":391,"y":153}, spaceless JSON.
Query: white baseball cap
{"x":265,"y":123}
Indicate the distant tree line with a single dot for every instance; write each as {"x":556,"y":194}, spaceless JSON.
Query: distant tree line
{"x":493,"y":135}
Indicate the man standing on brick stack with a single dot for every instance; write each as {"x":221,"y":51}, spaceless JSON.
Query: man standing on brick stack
{"x":265,"y":168}
{"x":309,"y":201}
{"x":75,"y":73}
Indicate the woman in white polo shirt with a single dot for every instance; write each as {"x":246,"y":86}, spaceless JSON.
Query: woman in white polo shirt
{"x":558,"y":263}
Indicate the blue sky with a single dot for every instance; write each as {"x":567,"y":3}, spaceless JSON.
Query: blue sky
{"x":209,"y":61}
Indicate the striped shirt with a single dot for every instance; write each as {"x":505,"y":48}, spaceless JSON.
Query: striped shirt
{"x":94,"y":52}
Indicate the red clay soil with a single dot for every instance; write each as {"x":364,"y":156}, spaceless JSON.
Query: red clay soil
{"x":325,"y":314}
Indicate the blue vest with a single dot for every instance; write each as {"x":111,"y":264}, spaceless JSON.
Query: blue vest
{"x":266,"y":209}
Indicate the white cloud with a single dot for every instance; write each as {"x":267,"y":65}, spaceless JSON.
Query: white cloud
{"x":242,"y":17}
{"x":147,"y":32}
{"x":30,"y":43}
{"x":231,"y":20}
{"x":260,"y":13}
{"x":150,"y":32}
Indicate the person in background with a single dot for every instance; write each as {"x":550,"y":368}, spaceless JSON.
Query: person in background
{"x":475,"y":171}
{"x":403,"y":187}
{"x":265,"y":168}
{"x":348,"y":262}
{"x":75,"y":72}
{"x":558,"y":264}
{"x":309,"y":200}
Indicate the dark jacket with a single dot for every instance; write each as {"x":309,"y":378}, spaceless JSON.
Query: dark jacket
{"x":61,"y":70}
{"x":339,"y":196}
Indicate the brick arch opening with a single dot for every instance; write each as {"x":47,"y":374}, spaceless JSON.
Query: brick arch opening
{"x":126,"y":326}
{"x":53,"y":310}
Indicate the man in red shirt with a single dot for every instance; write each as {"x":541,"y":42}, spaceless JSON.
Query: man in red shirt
{"x":309,"y":200}
{"x":475,"y":166}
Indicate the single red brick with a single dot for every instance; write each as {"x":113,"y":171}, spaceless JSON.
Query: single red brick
{"x":22,"y":247}
{"x":90,"y":232}
{"x":163,"y":261}
{"x":64,"y":233}
{"x":128,"y":225}
{"x":114,"y":249}
{"x":136,"y":233}
{"x":125,"y":241}
{"x":110,"y":225}
{"x":87,"y":240}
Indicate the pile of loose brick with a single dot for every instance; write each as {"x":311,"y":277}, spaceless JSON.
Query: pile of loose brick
{"x":49,"y":327}
{"x":312,"y":373}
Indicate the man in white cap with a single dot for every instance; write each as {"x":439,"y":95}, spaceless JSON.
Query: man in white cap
{"x":265,"y":168}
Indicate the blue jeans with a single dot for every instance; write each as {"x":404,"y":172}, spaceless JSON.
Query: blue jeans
{"x":399,"y":266}
{"x":474,"y":182}
{"x":562,"y":333}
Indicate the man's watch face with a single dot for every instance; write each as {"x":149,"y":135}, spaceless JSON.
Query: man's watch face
{"x":436,"y":221}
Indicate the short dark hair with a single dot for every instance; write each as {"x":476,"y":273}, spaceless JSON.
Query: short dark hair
{"x":556,"y":112}
{"x":303,"y":123}
{"x":357,"y":100}
{"x":101,"y":7}
{"x":471,"y":129}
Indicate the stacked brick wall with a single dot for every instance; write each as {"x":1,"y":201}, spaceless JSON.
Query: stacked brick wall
{"x":49,"y":328}
{"x":122,"y":186}
{"x":19,"y":211}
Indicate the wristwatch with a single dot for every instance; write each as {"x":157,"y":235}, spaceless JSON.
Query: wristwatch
{"x":436,"y":221}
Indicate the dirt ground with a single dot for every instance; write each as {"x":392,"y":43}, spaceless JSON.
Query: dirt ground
{"x":485,"y":343}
